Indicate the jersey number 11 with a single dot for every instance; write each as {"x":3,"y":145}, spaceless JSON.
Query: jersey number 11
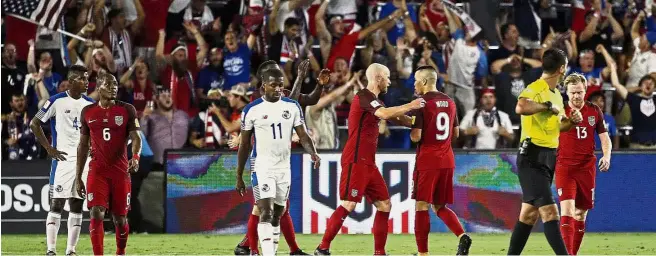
{"x":273,"y":129}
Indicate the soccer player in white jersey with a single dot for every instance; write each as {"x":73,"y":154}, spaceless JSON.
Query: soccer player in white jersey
{"x":63,"y":110}
{"x":272,"y":119}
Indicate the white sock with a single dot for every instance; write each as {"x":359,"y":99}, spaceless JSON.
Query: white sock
{"x":74,"y":227}
{"x":276,"y":238}
{"x":52,"y":229}
{"x":265,"y":233}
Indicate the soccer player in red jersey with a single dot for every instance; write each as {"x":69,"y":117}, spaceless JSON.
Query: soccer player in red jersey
{"x":576,"y":162}
{"x":360,"y":176}
{"x":433,"y":127}
{"x":106,"y":127}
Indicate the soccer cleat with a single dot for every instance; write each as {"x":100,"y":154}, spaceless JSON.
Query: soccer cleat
{"x":298,"y":252}
{"x":242,"y":250}
{"x":463,"y":246}
{"x":49,"y":253}
{"x":320,"y":251}
{"x":71,"y":254}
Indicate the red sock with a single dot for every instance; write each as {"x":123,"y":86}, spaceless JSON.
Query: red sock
{"x":567,"y":231}
{"x":97,"y":232}
{"x":380,"y":232}
{"x":122,"y":234}
{"x":451,"y":220}
{"x":422,"y":228}
{"x":333,"y":226}
{"x":287,"y":229}
{"x":251,"y":234}
{"x":579,"y":231}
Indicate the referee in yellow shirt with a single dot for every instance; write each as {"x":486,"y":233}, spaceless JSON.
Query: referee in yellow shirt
{"x":541,"y":107}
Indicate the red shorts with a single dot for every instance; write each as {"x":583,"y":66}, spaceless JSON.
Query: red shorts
{"x":110,"y":192}
{"x":433,"y":186}
{"x":577,"y":182}
{"x":357,"y":180}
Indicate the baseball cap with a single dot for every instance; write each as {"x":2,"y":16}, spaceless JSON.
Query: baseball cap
{"x":487,"y":90}
{"x":335,"y":19}
{"x":239,"y":90}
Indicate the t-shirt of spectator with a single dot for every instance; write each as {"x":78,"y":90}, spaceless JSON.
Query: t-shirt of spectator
{"x":211,"y":78}
{"x":602,"y":37}
{"x":13,"y":81}
{"x":595,"y":80}
{"x":643,"y":116}
{"x":503,"y":53}
{"x":181,"y":90}
{"x":348,"y":9}
{"x":399,"y":28}
{"x":642,"y":64}
{"x":282,"y":49}
{"x":156,"y":12}
{"x":212,"y":131}
{"x":192,"y":51}
{"x":611,"y":127}
{"x":488,"y":124}
{"x":237,"y":65}
{"x":435,"y":15}
{"x":344,"y":48}
{"x":120,"y":44}
{"x":52,"y":83}
{"x":140,"y":97}
{"x":508,"y":88}
{"x":301,"y":14}
{"x":466,"y":62}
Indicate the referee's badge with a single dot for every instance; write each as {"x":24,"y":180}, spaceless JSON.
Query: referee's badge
{"x":591,"y":120}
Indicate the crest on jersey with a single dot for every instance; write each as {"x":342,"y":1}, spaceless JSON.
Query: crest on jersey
{"x":118,"y":120}
{"x":354,"y":192}
{"x":591,"y":120}
{"x":59,"y":188}
{"x":286,"y":114}
{"x":265,"y":187}
{"x":560,"y":192}
{"x":90,"y":197}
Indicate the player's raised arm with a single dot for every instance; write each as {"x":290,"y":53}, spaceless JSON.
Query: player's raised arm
{"x":133,"y":128}
{"x":82,"y":152}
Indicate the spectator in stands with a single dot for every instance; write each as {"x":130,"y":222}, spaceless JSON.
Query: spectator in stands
{"x":397,"y":29}
{"x":156,"y":12}
{"x":486,"y":127}
{"x":139,"y":91}
{"x":212,"y":76}
{"x":75,"y":48}
{"x":601,"y":28}
{"x":192,"y":40}
{"x":643,"y":111}
{"x":237,"y":59}
{"x":200,"y":12}
{"x":44,"y":72}
{"x":643,"y":61}
{"x":434,"y":11}
{"x":238,"y":99}
{"x":119,"y":39}
{"x":594,"y":75}
{"x":18,"y":141}
{"x":378,"y":49}
{"x":467,"y":62}
{"x":599,"y":99}
{"x":98,"y":58}
{"x":285,"y":45}
{"x":297,"y":9}
{"x":347,"y":11}
{"x":205,"y":129}
{"x":511,"y":81}
{"x":509,"y":46}
{"x":13,"y":76}
{"x":322,"y":118}
{"x":166,"y":127}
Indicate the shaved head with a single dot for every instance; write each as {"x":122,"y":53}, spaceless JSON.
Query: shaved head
{"x":378,"y":78}
{"x":429,"y":74}
{"x":425,"y":80}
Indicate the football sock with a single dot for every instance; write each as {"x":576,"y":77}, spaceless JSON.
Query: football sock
{"x":451,"y":220}
{"x":74,"y":227}
{"x":380,"y":232}
{"x":244,"y":241}
{"x":579,"y":231}
{"x":122,"y":233}
{"x":265,"y":232}
{"x":552,"y":232}
{"x":52,"y":229}
{"x":422,"y":228}
{"x":287,"y":228}
{"x":519,"y":236}
{"x":333,"y":226}
{"x":276,"y":238}
{"x":251,"y":234}
{"x":567,"y":230}
{"x":97,"y":233}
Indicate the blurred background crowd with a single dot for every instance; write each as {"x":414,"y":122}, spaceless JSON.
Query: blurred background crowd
{"x":188,"y":66}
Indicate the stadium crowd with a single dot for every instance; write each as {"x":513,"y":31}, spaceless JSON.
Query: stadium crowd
{"x":188,"y":66}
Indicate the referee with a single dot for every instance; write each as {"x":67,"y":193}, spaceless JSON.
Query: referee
{"x":541,"y":108}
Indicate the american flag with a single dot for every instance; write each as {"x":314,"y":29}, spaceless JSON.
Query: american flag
{"x":43,"y":12}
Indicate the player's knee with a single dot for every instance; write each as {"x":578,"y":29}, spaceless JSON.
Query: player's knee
{"x":57,"y":205}
{"x":567,"y":208}
{"x":266,"y":215}
{"x":384,"y":206}
{"x":437,"y":207}
{"x":255,"y":211}
{"x":421,"y":206}
{"x":76,"y":205}
{"x":120,"y":221}
{"x":580,"y":214}
{"x":549,"y":212}
{"x":349,"y":206}
{"x":529,"y":217}
{"x":97,"y":212}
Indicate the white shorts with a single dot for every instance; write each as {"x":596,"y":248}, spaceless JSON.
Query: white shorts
{"x":62,"y":178}
{"x":271,"y":184}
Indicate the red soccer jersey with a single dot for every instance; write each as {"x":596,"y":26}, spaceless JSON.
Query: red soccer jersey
{"x":578,"y":143}
{"x":437,"y":121}
{"x":363,"y":129}
{"x":108,"y":129}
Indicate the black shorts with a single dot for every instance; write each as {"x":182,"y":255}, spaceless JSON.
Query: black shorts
{"x":536,"y":172}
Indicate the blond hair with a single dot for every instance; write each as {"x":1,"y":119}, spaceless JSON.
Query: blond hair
{"x":575,"y":78}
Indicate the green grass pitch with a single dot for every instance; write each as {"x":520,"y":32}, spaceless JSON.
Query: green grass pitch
{"x":439,"y":244}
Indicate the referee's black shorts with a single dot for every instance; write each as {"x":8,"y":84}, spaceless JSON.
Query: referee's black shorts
{"x":536,"y":173}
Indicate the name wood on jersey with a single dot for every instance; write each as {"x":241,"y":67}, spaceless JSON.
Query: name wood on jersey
{"x":442,"y":104}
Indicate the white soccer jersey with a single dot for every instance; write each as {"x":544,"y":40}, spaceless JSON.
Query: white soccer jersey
{"x":65,"y":126}
{"x":272,"y":124}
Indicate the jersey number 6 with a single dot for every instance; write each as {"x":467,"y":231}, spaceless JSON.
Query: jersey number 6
{"x":106,"y":134}
{"x":442,"y":123}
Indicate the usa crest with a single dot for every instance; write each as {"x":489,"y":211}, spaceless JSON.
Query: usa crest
{"x":90,"y":197}
{"x":591,"y":120}
{"x":354,"y":192}
{"x":286,"y":115}
{"x":118,"y":120}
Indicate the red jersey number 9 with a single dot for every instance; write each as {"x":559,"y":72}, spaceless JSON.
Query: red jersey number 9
{"x":106,"y":134}
{"x":442,"y":123}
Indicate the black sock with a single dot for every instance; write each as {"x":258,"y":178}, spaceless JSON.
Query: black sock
{"x":519,"y":237}
{"x":552,"y":232}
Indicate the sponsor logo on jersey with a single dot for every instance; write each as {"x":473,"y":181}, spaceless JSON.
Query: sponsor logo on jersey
{"x":286,"y":115}
{"x":118,"y":120}
{"x":68,"y":111}
{"x":591,"y":120}
{"x":375,"y":104}
{"x":265,"y":116}
{"x":105,"y":120}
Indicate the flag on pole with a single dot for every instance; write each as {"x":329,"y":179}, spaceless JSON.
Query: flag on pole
{"x":46,"y":13}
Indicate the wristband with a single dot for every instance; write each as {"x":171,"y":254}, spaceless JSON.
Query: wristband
{"x":136,"y":156}
{"x":548,"y":104}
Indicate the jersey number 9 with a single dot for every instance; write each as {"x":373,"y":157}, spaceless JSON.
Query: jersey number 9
{"x":106,"y":134}
{"x":442,"y":123}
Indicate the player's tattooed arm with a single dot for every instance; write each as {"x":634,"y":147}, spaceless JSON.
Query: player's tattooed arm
{"x":308,"y":144}
{"x":242,"y":157}
{"x":313,"y":98}
{"x":300,"y":76}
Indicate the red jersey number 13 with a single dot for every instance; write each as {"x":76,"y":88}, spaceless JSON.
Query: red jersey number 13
{"x":581,"y":132}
